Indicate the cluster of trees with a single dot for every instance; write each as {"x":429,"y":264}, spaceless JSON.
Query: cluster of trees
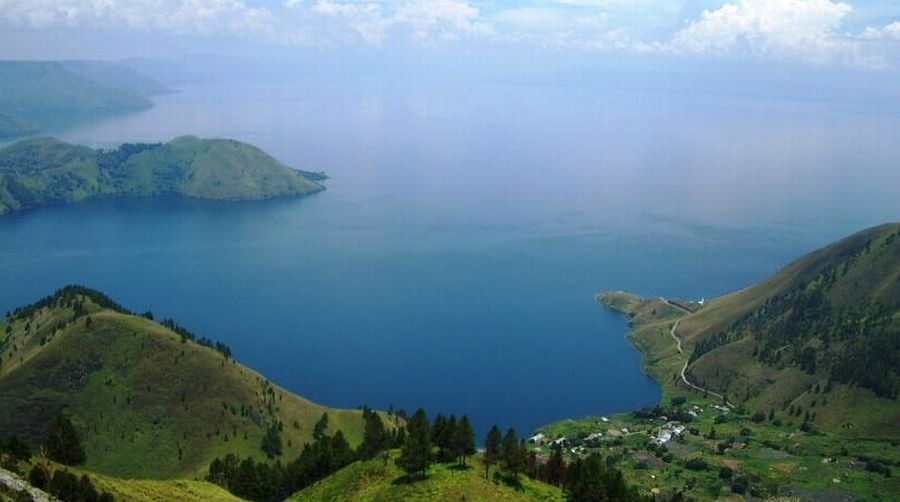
{"x":111,"y":160}
{"x":585,"y":479}
{"x":62,"y":442}
{"x":675,"y":412}
{"x":421,"y":443}
{"x":454,"y":440}
{"x":186,"y":336}
{"x":68,"y":296}
{"x":66,"y":486}
{"x":857,"y":344}
{"x":262,"y":481}
{"x":15,"y":449}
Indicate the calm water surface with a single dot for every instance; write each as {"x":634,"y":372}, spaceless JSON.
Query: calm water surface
{"x":453,"y":260}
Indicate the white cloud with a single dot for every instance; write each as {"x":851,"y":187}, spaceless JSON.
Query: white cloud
{"x":888,"y":32}
{"x":372,"y":21}
{"x":806,"y":29}
{"x":179,"y":16}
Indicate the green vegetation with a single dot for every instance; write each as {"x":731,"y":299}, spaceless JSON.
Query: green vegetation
{"x":62,"y":442}
{"x":438,"y":462}
{"x":377,"y":481}
{"x":40,"y":93}
{"x":144,"y":400}
{"x":795,"y":384}
{"x":45,"y":171}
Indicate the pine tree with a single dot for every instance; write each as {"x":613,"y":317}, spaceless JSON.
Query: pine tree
{"x":415,"y":455}
{"x":375,"y":438}
{"x":62,"y":442}
{"x":271,"y":442}
{"x":320,"y":427}
{"x":463,"y":440}
{"x":442,"y":435}
{"x":492,"y":449}
{"x":511,"y":452}
{"x":556,"y":468}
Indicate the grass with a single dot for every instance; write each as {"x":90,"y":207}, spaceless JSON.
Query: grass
{"x":147,"y":405}
{"x":151,"y":490}
{"x":375,"y":481}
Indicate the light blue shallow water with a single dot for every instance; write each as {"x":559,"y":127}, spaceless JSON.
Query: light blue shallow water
{"x":453,"y":260}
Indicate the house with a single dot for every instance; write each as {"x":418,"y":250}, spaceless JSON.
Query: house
{"x":593,"y":439}
{"x":538,"y":438}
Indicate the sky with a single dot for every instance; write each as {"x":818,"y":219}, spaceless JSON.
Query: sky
{"x":862,"y":35}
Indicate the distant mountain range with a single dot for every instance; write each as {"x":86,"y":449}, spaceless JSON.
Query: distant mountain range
{"x":38,"y":94}
{"x":44,"y":171}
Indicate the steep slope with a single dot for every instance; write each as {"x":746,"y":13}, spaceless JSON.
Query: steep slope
{"x":829,"y":318}
{"x":47,"y":92}
{"x":43,"y":171}
{"x":819,"y":341}
{"x":148,"y":401}
{"x":375,"y":481}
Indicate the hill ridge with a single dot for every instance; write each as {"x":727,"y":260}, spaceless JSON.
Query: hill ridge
{"x":43,"y":171}
{"x":149,"y":399}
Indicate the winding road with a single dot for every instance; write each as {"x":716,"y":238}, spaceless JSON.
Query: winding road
{"x":684,"y":378}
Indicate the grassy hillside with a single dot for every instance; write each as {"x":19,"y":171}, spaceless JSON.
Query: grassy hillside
{"x":830,"y":320}
{"x":147,"y":401}
{"x":807,"y":361}
{"x":47,"y":92}
{"x":373,"y":481}
{"x":43,"y":171}
{"x":149,"y":490}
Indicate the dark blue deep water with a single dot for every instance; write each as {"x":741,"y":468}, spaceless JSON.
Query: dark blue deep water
{"x":453,"y":260}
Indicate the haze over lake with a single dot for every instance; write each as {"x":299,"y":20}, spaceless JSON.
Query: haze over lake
{"x":452,"y":262}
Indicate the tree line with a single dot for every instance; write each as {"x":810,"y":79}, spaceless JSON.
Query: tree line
{"x":421,"y":443}
{"x":62,"y":444}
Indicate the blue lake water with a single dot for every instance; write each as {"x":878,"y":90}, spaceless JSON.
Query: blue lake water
{"x":452,"y":262}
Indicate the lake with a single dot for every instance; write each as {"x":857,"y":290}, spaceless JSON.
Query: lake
{"x":453,"y":261}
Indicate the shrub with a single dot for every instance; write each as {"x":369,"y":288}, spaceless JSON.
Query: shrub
{"x":739,"y":486}
{"x":726,"y":472}
{"x":38,"y":476}
{"x":696,"y":464}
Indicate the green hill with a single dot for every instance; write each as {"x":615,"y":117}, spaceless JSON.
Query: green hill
{"x":375,"y":481}
{"x":44,"y":171}
{"x":830,"y":320}
{"x":790,"y":384}
{"x":149,"y":401}
{"x":49,"y":92}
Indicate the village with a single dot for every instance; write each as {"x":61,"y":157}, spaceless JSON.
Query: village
{"x":694,"y":444}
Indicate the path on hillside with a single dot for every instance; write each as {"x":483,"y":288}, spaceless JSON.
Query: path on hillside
{"x":673,"y":333}
{"x":17,"y":484}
